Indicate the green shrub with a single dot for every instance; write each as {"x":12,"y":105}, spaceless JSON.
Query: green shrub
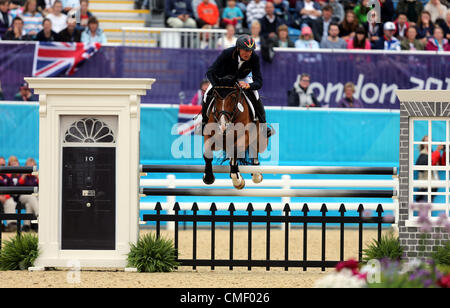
{"x":19,"y":253}
{"x":442,"y":255}
{"x":151,"y":254}
{"x":388,"y":247}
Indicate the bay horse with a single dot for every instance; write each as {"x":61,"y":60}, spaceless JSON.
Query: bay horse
{"x":230,"y":128}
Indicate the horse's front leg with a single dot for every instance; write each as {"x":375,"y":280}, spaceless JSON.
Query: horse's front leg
{"x":208,"y":176}
{"x":238,"y":180}
{"x":256,"y":177}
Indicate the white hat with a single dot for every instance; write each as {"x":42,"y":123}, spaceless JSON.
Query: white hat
{"x":389,"y":26}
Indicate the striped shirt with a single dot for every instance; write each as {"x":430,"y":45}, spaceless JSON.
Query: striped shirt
{"x":32,"y":23}
{"x":255,"y":11}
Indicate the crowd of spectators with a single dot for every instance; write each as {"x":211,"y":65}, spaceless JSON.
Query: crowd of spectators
{"x":9,"y":203}
{"x":337,"y":24}
{"x":49,"y":21}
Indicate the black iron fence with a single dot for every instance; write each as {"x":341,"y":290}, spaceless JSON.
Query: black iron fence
{"x":15,"y":191}
{"x":304,"y":220}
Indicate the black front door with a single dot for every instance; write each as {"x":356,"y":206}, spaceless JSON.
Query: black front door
{"x":88,"y":198}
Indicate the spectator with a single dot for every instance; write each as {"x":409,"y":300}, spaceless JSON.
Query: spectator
{"x":270,"y":23}
{"x":84,"y":15}
{"x":232,"y":15}
{"x":255,"y":31}
{"x":348,"y":26}
{"x":436,"y":158}
{"x":387,"y":10}
{"x":338,"y":10}
{"x":25,"y":94}
{"x":410,"y":42}
{"x":70,"y":34}
{"x":15,"y":9}
{"x":29,"y":201}
{"x":438,"y":42}
{"x":93,"y":33}
{"x":17,"y":33}
{"x":47,"y":34}
{"x":208,"y":14}
{"x":9,"y":205}
{"x":198,"y":97}
{"x":388,"y":41}
{"x":422,"y":160}
{"x":194,"y":5}
{"x":229,"y":40}
{"x":436,"y":9}
{"x":282,"y":10}
{"x":411,"y":8}
{"x":401,"y":26}
{"x":283,"y":38}
{"x":32,"y":19}
{"x":45,"y":7}
{"x":307,"y":12}
{"x":179,"y":13}
{"x":59,"y":20}
{"x":306,"y":40}
{"x":333,"y":41}
{"x":69,"y":5}
{"x":5,"y":17}
{"x":242,"y":4}
{"x":255,"y":10}
{"x":361,"y":10}
{"x":205,"y":38}
{"x":425,"y":27}
{"x":323,"y":22}
{"x":374,"y":30}
{"x":302,"y":95}
{"x":349,"y":101}
{"x":446,"y":24}
{"x":360,"y":40}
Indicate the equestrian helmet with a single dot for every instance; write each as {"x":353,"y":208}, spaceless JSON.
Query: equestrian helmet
{"x":245,"y":42}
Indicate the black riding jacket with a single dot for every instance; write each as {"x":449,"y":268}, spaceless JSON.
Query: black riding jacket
{"x":227,"y":64}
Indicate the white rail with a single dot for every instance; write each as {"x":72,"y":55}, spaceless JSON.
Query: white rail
{"x":285,"y":183}
{"x":172,"y":38}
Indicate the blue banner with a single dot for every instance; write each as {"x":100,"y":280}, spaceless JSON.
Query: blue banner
{"x":179,"y":71}
{"x":322,"y":136}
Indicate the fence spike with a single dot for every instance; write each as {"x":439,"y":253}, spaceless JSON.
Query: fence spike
{"x":305,"y":208}
{"x":176,"y":206}
{"x":194,"y":207}
{"x":324,"y":208}
{"x":250,"y":207}
{"x":360,"y":208}
{"x":231,"y":208}
{"x":379,"y":209}
{"x":268,"y":208}
{"x":286,"y":208}
{"x":158,"y":206}
{"x":213,"y":207}
{"x":342,"y":208}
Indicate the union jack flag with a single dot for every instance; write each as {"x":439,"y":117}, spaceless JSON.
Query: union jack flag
{"x":53,"y":59}
{"x":188,"y":123}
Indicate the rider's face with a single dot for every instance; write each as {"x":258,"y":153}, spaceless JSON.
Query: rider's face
{"x":245,"y":54}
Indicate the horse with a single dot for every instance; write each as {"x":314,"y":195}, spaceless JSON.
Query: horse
{"x":230,"y":128}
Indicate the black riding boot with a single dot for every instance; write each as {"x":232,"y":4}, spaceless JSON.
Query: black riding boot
{"x":261,"y":114}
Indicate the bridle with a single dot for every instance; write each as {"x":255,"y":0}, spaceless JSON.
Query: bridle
{"x":231,"y":116}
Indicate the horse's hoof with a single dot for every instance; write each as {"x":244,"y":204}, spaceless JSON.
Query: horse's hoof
{"x":242,"y":185}
{"x":257,"y":178}
{"x":208,"y":179}
{"x":238,"y":181}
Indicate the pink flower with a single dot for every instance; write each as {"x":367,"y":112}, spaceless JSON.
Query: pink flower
{"x":444,"y":282}
{"x":350,"y":264}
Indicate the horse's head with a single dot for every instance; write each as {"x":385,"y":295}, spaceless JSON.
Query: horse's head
{"x":226,"y":109}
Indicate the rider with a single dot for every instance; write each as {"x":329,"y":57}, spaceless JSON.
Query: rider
{"x":235,"y":64}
